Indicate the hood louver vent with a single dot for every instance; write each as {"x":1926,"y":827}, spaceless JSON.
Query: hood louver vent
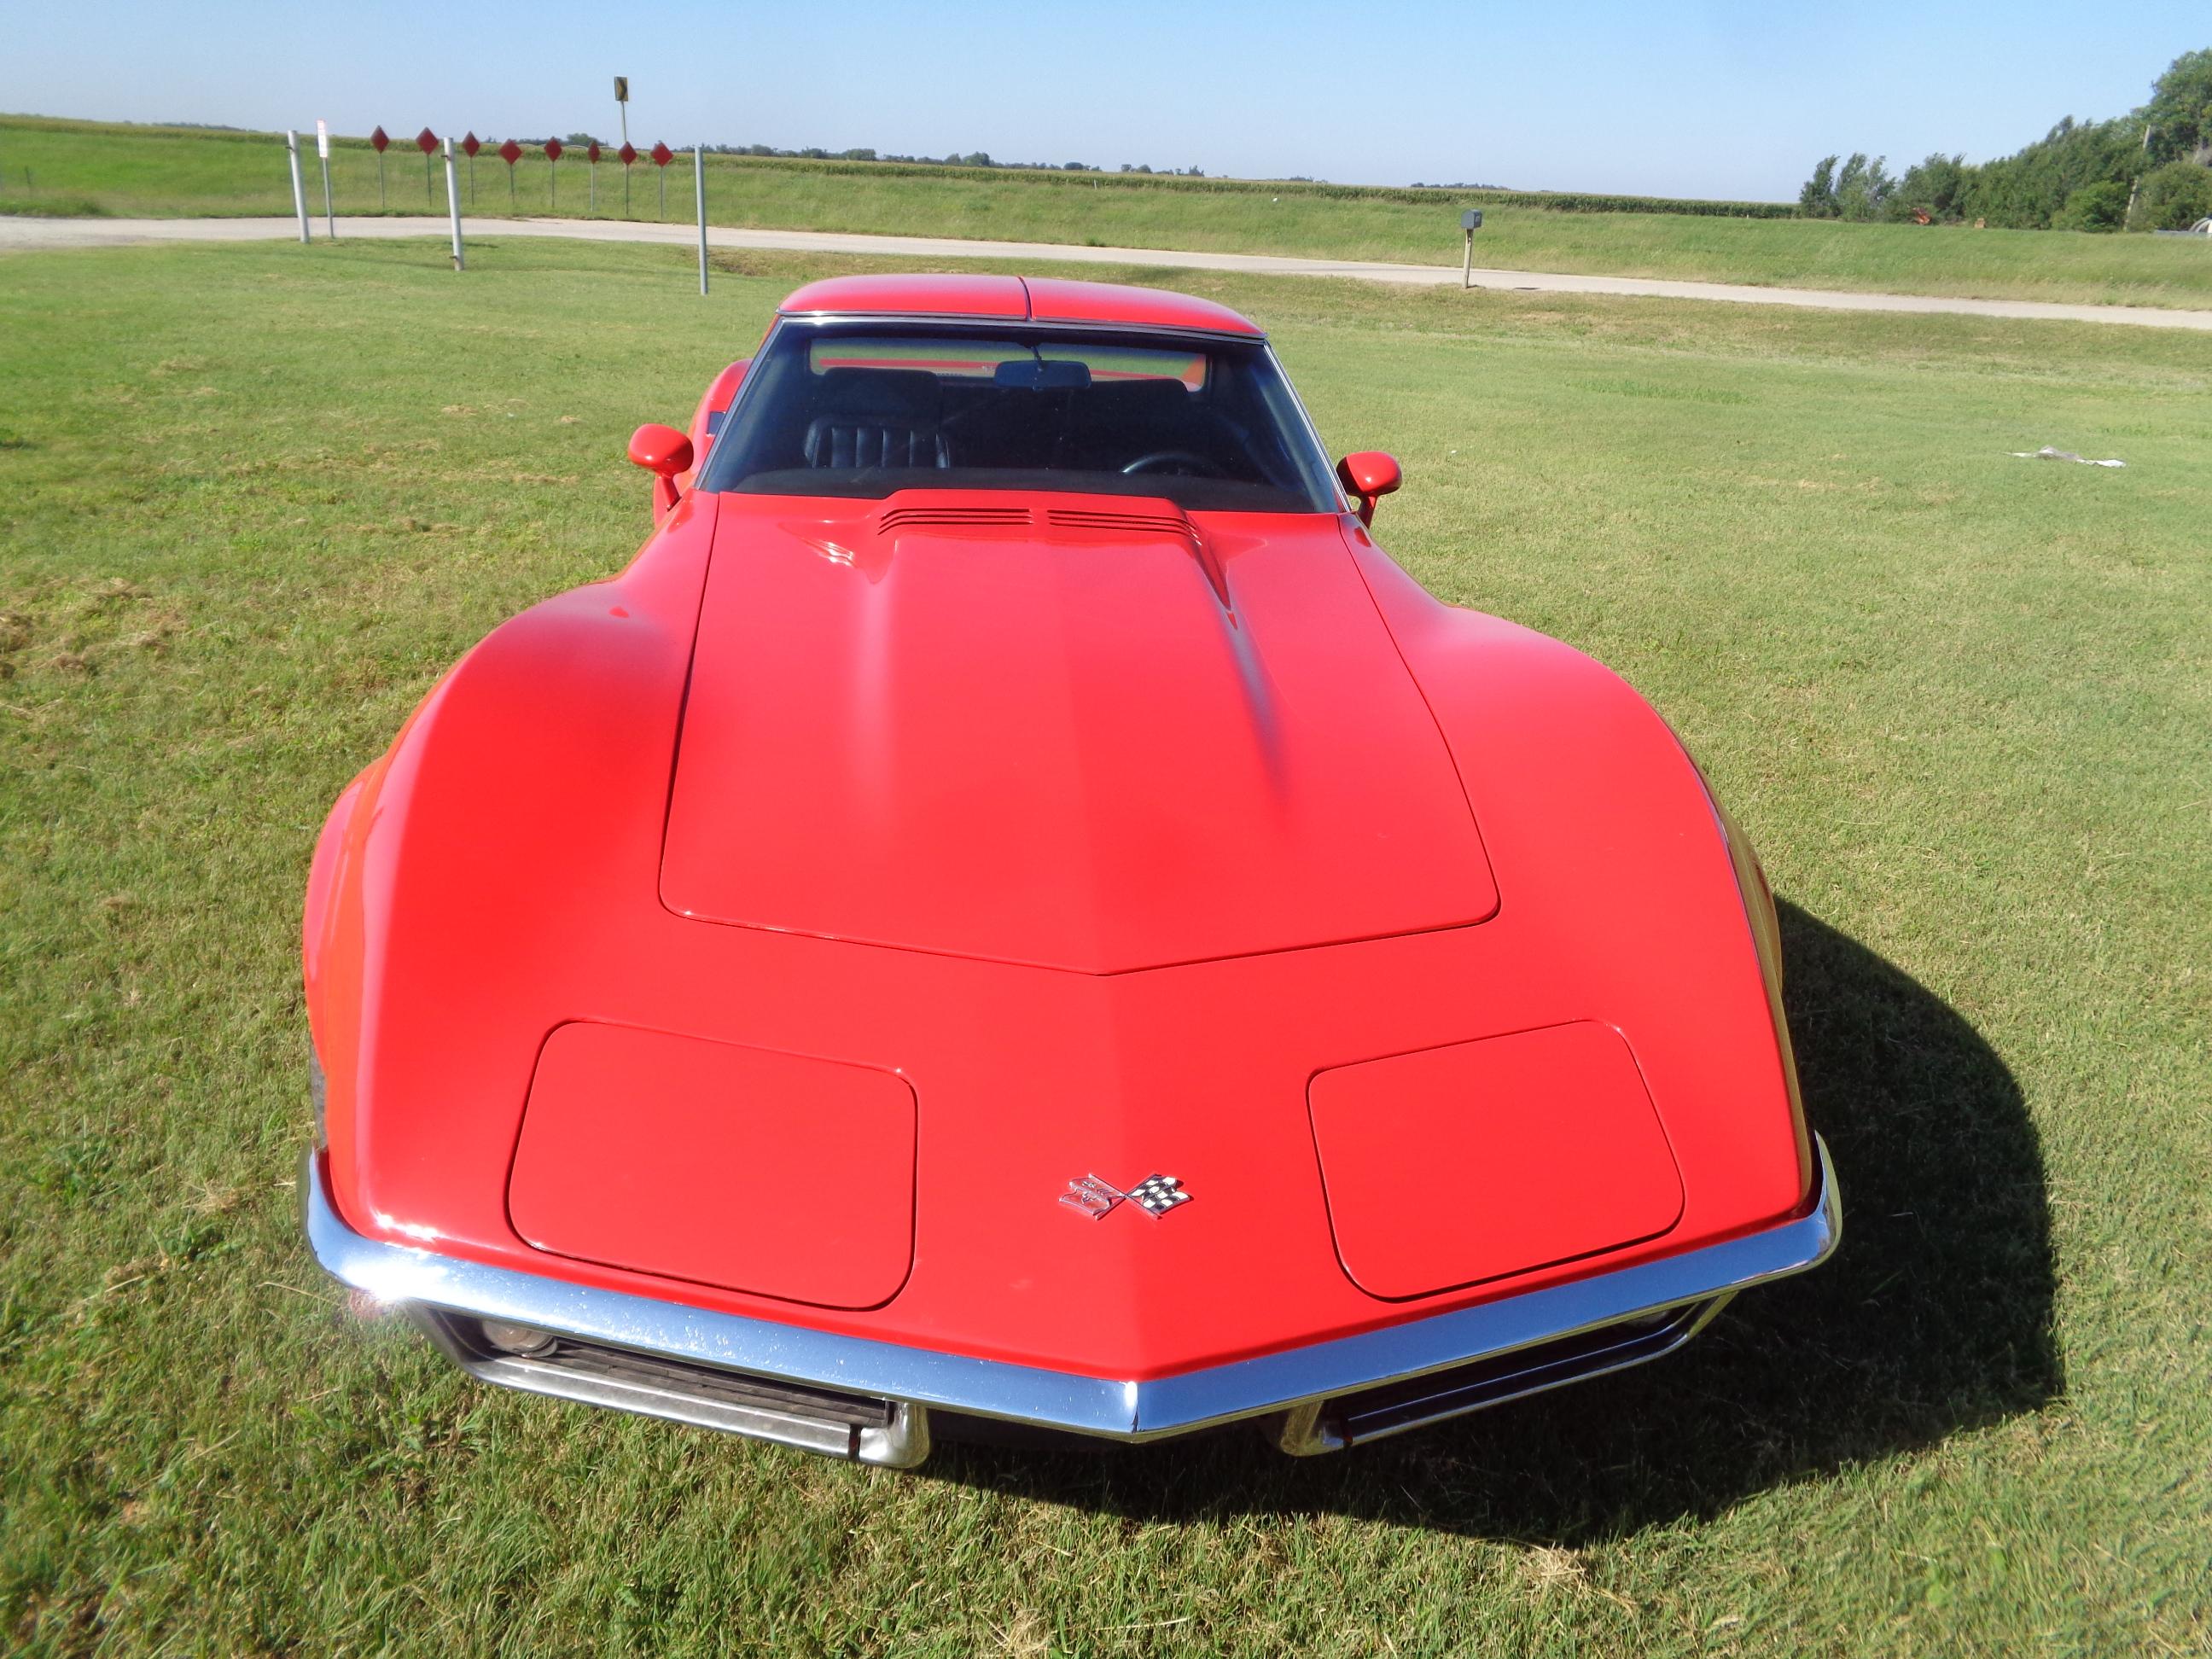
{"x":1142,"y":523}
{"x":953,"y":518}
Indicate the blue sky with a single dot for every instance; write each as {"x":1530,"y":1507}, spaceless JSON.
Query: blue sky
{"x":1729,"y":98}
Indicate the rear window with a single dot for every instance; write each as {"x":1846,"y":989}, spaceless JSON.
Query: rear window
{"x":865,"y":409}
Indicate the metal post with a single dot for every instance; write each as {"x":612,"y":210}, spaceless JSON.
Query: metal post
{"x":299,"y":190}
{"x":699,"y":179}
{"x":1467,"y":273}
{"x":592,"y":197}
{"x":2136,"y":184}
{"x":453,"y":204}
{"x":323,"y":154}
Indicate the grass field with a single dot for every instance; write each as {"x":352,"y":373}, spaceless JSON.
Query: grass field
{"x":253,"y":499}
{"x":83,"y":166}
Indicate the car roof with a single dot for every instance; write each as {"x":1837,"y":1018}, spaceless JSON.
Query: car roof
{"x":1016,"y":299}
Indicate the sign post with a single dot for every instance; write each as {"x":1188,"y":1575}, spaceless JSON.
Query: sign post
{"x":699,"y":183}
{"x":553,"y":154}
{"x":621,"y":107}
{"x":1470,"y":222}
{"x":510,"y":152}
{"x":427,"y":142}
{"x":323,"y":150}
{"x":299,"y":190}
{"x":626,"y":155}
{"x":453,"y":204}
{"x":662,"y":156}
{"x":592,"y":166}
{"x":471,"y":145}
{"x":379,"y":141}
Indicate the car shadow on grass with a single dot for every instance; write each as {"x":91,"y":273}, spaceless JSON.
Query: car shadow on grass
{"x":1935,"y":1316}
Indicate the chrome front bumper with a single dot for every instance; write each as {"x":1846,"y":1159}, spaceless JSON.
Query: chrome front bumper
{"x":870,"y":1401}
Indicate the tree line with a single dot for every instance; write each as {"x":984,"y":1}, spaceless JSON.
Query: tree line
{"x":2150,"y":169}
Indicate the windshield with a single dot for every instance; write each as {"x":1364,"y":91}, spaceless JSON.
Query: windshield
{"x":866,"y":409}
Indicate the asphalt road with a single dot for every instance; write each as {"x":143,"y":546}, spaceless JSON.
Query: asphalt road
{"x":18,"y":234}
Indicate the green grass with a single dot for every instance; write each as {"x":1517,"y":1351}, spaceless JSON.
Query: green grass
{"x":253,"y":499}
{"x":80,"y":167}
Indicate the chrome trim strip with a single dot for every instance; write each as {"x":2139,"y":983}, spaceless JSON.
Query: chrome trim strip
{"x":903,"y":1443}
{"x":1115,"y":1409}
{"x":1308,"y":1429}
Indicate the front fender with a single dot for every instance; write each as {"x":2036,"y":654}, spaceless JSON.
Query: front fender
{"x":1601,"y":829}
{"x":545,"y":751}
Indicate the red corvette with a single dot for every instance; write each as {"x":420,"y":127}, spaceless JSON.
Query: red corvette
{"x":1012,"y":908}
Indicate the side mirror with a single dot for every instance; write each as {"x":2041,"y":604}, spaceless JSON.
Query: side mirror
{"x":1367,"y":476}
{"x":663,"y":452}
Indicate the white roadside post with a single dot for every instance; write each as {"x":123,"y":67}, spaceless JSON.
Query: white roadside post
{"x":299,"y":190}
{"x":699,"y":181}
{"x":323,"y":151}
{"x":453,"y":204}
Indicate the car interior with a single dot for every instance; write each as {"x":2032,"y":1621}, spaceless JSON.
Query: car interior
{"x":1026,"y":421}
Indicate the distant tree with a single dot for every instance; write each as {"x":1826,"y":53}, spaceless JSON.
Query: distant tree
{"x":2100,"y":206}
{"x":1936,"y":186}
{"x":2172,"y":198}
{"x":861,"y":155}
{"x":2180,"y":109}
{"x":580,"y":141}
{"x":1818,"y":199}
{"x":1862,"y":187}
{"x":1075,"y":166}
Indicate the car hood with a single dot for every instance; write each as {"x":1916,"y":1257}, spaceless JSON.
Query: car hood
{"x":1090,"y":733}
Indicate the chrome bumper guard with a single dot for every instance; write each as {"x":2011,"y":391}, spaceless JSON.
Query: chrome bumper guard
{"x":869,"y":1401}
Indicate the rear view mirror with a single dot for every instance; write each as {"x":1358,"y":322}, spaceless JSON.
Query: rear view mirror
{"x":1035,"y":375}
{"x":1367,"y":476}
{"x":663,"y":452}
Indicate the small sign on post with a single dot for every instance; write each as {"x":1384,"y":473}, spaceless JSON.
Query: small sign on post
{"x":591,"y":173}
{"x":1470,"y":222}
{"x":510,"y":152}
{"x":323,"y":152}
{"x":427,"y":142}
{"x":553,"y":153}
{"x":662,"y":156}
{"x":470,"y":146}
{"x":626,"y":155}
{"x":379,"y":141}
{"x":621,"y":107}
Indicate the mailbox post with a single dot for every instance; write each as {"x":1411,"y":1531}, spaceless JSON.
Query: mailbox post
{"x":1470,"y":222}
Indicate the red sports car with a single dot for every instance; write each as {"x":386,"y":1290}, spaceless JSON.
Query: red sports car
{"x":1013,"y":909}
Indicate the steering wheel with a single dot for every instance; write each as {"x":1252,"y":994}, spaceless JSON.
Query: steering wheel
{"x":1192,"y":463}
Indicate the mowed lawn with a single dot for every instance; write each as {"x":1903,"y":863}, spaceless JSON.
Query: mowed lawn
{"x":253,"y":500}
{"x":51,"y":167}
